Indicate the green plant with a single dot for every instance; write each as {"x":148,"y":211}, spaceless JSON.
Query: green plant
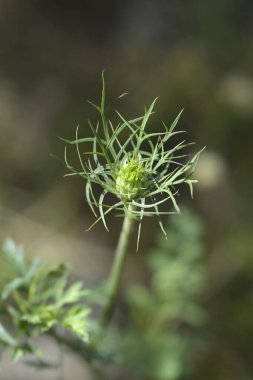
{"x":35,"y":300}
{"x":142,"y":172}
{"x":141,"y":180}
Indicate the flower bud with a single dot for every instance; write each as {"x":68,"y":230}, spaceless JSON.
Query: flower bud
{"x":132,"y":179}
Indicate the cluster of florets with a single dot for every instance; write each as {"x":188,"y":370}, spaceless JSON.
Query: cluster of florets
{"x":132,"y":179}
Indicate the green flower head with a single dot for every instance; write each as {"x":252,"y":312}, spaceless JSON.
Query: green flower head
{"x":133,"y":165}
{"x":132,"y":179}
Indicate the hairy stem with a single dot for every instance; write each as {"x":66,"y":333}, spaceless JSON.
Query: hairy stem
{"x":117,"y":269}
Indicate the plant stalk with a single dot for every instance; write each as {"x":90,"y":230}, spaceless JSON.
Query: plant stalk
{"x":117,"y":269}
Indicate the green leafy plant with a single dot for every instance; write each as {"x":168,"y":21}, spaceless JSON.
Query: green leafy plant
{"x":135,"y":176}
{"x":141,"y":180}
{"x":142,"y":172}
{"x":36,"y":300}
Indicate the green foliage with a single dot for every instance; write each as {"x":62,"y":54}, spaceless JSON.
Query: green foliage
{"x":35,"y":300}
{"x":167,"y":318}
{"x":140,"y":178}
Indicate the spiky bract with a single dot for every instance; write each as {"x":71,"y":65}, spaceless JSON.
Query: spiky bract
{"x":120,"y":163}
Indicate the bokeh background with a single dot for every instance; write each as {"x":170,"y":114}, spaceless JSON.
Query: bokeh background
{"x":196,"y":55}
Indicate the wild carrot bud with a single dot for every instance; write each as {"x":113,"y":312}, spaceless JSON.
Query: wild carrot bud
{"x":120,"y":165}
{"x":131,"y":179}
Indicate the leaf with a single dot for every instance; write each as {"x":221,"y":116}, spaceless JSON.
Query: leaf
{"x":101,"y":198}
{"x":89,"y":192}
{"x":75,"y":320}
{"x":11,"y":286}
{"x":174,"y":124}
{"x":6,"y":338}
{"x":73,"y":294}
{"x":15,"y":255}
{"x":122,"y":95}
{"x":34,"y":268}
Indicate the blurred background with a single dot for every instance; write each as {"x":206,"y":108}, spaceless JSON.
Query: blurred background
{"x":196,"y":55}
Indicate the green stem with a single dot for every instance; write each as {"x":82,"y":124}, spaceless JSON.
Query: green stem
{"x":117,"y":269}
